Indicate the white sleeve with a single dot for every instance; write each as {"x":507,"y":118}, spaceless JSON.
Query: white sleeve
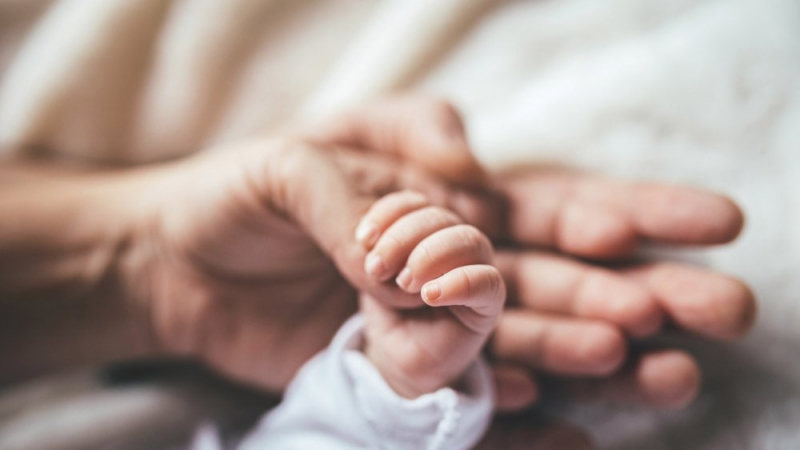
{"x":338,"y":400}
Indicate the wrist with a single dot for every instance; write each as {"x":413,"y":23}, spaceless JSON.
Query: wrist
{"x":403,"y":381}
{"x":143,"y":259}
{"x":119,"y":209}
{"x":66,"y":299}
{"x":117,"y":202}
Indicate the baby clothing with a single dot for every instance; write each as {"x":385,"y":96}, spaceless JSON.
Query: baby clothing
{"x":339,"y":400}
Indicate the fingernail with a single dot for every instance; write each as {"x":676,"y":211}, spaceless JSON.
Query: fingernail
{"x":431,"y":292}
{"x":366,"y":233}
{"x":404,"y":279}
{"x":374,"y":266}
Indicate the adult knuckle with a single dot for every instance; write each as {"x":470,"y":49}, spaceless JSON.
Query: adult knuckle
{"x":741,"y":305}
{"x":603,"y":349}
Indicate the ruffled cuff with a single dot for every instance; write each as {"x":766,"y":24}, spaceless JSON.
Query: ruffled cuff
{"x":444,"y":419}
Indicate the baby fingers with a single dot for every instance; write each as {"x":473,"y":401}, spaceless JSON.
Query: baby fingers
{"x":402,"y":221}
{"x":435,"y":251}
{"x":476,"y":293}
{"x":443,"y":251}
{"x":385,"y":212}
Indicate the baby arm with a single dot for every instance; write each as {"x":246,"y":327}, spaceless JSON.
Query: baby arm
{"x":402,"y":378}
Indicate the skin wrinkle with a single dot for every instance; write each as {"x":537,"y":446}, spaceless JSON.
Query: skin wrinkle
{"x":467,"y":281}
{"x":620,"y":213}
{"x":496,"y":288}
{"x":473,"y":238}
{"x":558,"y":220}
{"x":511,"y":274}
{"x":580,"y":285}
{"x":426,"y":252}
{"x":141,"y":287}
{"x":542,"y":340}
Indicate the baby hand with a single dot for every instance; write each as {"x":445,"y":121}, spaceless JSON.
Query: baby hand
{"x":429,"y":251}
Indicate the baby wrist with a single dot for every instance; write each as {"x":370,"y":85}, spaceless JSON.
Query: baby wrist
{"x":403,"y":384}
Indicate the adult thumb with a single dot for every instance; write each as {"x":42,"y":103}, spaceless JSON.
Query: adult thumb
{"x":427,"y":132}
{"x":306,"y":183}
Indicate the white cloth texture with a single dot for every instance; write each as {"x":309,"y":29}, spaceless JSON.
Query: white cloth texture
{"x":339,"y":400}
{"x":703,"y":92}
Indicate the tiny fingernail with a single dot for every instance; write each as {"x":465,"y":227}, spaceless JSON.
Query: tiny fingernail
{"x":366,"y":233}
{"x":375,"y":266}
{"x":404,"y":279}
{"x":431,"y":292}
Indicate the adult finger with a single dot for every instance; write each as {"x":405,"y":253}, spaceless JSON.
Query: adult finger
{"x":547,"y":282}
{"x":515,"y":387}
{"x":699,"y":300}
{"x":601,"y":218}
{"x":426,"y":131}
{"x":557,"y":344}
{"x":666,"y":379}
{"x":638,"y":298}
{"x":382,"y":174}
{"x":291,"y":177}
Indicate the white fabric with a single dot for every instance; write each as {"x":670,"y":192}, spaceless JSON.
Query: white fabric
{"x":338,"y":400}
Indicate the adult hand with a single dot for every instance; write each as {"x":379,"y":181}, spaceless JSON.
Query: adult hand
{"x":575,"y":317}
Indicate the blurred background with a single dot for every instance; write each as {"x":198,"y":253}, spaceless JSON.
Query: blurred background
{"x":701,"y":92}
